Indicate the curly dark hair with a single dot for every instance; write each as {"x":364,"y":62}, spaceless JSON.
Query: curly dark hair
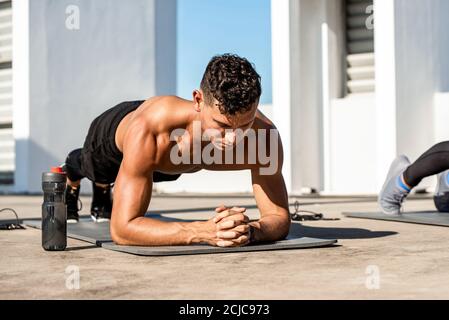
{"x":233,"y":82}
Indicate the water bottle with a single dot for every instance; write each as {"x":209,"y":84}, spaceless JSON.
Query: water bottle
{"x":54,"y":211}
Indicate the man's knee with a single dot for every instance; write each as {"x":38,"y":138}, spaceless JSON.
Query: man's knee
{"x":72,"y":165}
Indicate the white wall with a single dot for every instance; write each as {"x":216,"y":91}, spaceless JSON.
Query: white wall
{"x":441,"y":116}
{"x":298,"y":85}
{"x":306,"y":115}
{"x":283,"y":52}
{"x":443,"y":36}
{"x":63,"y":79}
{"x":352,"y":145}
{"x":325,"y":133}
{"x":339,"y":142}
{"x":417,"y":73}
{"x":441,"y":98}
{"x":411,"y":67}
{"x":120,"y":52}
{"x":21,"y":93}
{"x":411,"y":43}
{"x":386,"y":91}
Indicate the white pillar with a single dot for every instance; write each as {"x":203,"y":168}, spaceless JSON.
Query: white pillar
{"x":385,"y":61}
{"x":281,"y":75}
{"x":21,"y":97}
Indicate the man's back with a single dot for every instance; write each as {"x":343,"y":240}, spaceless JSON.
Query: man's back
{"x":160,"y":117}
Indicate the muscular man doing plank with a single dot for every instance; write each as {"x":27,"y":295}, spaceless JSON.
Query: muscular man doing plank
{"x":136,"y":144}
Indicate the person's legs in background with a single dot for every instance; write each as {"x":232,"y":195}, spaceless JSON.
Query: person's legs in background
{"x":433,"y":161}
{"x":403,"y":177}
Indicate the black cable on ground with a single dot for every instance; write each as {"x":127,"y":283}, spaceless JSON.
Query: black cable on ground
{"x":310,"y":216}
{"x":11,"y":226}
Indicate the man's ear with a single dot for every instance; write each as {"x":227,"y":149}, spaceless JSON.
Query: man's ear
{"x":198,"y":99}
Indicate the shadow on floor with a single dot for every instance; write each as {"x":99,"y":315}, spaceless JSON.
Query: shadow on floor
{"x":212,"y":209}
{"x":300,"y":230}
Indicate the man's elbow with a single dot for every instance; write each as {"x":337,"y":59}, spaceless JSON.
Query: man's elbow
{"x":120,"y":235}
{"x":284,"y":229}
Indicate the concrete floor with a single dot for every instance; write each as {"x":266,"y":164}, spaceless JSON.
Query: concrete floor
{"x":412,"y":261}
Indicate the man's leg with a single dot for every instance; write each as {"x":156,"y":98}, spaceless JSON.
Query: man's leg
{"x":72,"y":167}
{"x":101,"y":208}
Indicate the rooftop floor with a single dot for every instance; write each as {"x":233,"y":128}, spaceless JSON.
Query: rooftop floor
{"x":412,"y":260}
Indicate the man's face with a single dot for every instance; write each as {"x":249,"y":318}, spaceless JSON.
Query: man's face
{"x":226,"y":131}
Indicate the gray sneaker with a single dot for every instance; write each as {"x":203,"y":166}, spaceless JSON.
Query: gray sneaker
{"x":394,"y":191}
{"x":441,"y":197}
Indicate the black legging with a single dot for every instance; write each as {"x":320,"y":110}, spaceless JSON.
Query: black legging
{"x":433,"y":161}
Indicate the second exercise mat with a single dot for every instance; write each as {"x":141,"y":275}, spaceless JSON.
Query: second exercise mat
{"x":432,"y":218}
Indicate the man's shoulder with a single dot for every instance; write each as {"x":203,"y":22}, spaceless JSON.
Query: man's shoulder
{"x":262,"y":121}
{"x":162,"y":113}
{"x":151,"y":127}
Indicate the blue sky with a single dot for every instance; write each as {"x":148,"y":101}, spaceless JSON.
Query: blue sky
{"x":210,"y":27}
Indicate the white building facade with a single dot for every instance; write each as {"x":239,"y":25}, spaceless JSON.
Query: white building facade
{"x":355,"y":83}
{"x":72,"y":60}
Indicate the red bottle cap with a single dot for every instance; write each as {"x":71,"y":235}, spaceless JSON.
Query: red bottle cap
{"x":57,"y":170}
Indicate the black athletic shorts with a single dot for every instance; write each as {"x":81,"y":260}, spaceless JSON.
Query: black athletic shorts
{"x":99,"y":160}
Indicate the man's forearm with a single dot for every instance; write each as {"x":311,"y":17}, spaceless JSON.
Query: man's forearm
{"x":151,"y":232}
{"x":270,"y":228}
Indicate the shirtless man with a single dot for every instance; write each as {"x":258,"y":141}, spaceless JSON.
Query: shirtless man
{"x":132,"y":146}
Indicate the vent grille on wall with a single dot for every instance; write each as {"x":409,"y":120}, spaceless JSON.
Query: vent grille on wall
{"x":7,"y":153}
{"x":360,"y":46}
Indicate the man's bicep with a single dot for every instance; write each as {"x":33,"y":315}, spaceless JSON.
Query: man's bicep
{"x":269,"y":187}
{"x":270,"y":192}
{"x":132,"y":193}
{"x":134,"y":184}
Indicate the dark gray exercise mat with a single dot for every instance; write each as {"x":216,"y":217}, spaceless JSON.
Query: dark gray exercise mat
{"x":299,"y":243}
{"x":85,"y":230}
{"x":98,"y":233}
{"x":432,"y":218}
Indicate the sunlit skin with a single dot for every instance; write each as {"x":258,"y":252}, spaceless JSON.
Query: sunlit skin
{"x":144,"y":138}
